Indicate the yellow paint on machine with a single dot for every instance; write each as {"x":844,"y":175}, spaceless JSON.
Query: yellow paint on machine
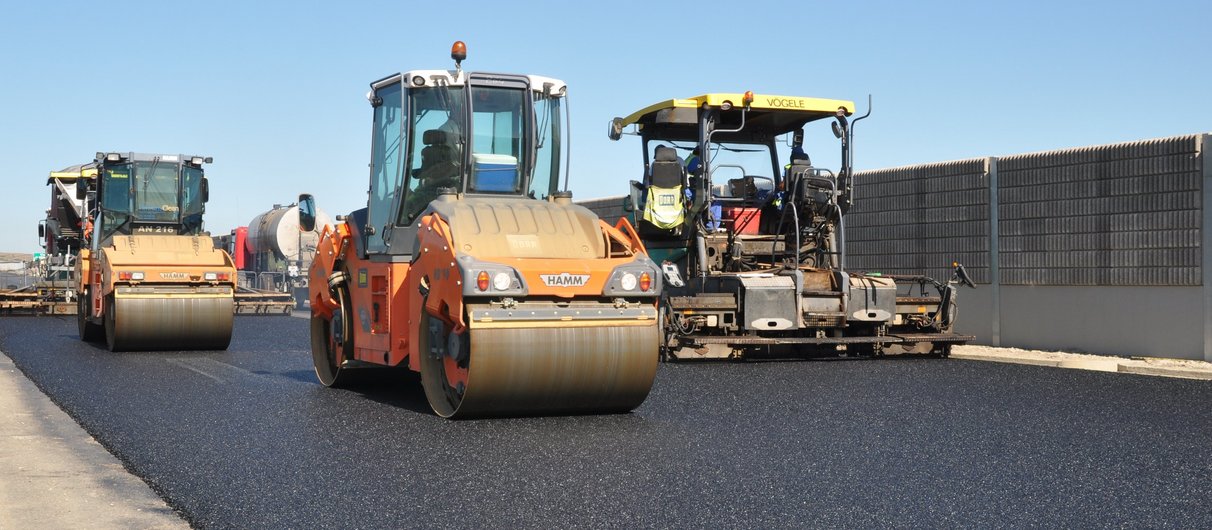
{"x":760,"y":101}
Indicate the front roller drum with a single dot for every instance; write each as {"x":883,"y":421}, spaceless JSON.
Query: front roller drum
{"x":602,"y":368}
{"x":171,"y":322}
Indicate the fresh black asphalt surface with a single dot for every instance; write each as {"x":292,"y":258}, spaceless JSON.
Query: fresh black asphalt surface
{"x":248,"y":439}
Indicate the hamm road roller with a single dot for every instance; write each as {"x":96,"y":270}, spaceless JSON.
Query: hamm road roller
{"x":150,"y":278}
{"x":752,"y":248}
{"x":472,"y":266}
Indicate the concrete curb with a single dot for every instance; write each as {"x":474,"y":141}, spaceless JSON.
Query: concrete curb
{"x":1005,"y":359}
{"x":1166,"y":372}
{"x":53,"y":474}
{"x":1086,"y":362}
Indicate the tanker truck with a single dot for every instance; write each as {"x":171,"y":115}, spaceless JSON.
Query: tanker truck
{"x":272,"y":256}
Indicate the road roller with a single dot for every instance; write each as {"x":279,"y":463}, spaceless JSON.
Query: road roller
{"x":470,"y":263}
{"x":751,"y":241}
{"x":150,"y":277}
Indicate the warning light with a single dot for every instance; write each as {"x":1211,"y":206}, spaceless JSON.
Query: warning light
{"x":482,"y":281}
{"x":748,"y":99}
{"x":645,"y":281}
{"x":458,"y":51}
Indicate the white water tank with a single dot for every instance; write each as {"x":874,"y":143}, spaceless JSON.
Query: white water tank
{"x":277,"y":232}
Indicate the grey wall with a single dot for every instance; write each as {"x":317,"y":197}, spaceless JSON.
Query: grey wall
{"x":1099,"y":249}
{"x":609,"y":209}
{"x":927,"y":216}
{"x":1152,"y":321}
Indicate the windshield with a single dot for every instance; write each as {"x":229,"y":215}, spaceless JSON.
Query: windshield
{"x":157,"y":189}
{"x":435,"y":147}
{"x":729,"y":161}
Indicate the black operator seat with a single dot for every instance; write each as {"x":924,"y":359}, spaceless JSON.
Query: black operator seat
{"x":664,"y":204}
{"x":437,"y":158}
{"x":667,"y":170}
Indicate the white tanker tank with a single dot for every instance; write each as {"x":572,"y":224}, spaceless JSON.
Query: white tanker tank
{"x":275,"y":243}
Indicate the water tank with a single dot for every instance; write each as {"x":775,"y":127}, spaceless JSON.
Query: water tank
{"x":277,"y":232}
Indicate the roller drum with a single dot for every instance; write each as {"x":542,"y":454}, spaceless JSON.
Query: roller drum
{"x":549,"y":370}
{"x":169,"y":322}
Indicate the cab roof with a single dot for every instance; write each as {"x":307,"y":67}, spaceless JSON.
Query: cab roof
{"x":538,"y":83}
{"x":769,"y":115}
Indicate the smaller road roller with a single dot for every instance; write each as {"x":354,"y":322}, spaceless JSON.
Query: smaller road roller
{"x":471,"y":265}
{"x":150,"y":278}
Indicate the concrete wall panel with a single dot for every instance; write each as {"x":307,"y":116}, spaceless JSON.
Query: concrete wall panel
{"x":1140,"y":321}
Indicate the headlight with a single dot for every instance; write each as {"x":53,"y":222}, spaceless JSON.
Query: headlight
{"x":501,"y":281}
{"x":628,"y":281}
{"x":210,"y":276}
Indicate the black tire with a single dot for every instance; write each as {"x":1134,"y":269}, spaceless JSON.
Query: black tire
{"x":326,"y":355}
{"x":89,"y":332}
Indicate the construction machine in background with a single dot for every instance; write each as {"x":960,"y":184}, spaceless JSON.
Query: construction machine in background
{"x":53,"y":291}
{"x":150,"y":277}
{"x":272,"y":256}
{"x":61,"y":236}
{"x":753,"y":249}
{"x":472,"y":267}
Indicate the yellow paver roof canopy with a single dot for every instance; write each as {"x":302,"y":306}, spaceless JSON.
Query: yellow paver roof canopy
{"x":74,"y":172}
{"x":801,"y":109}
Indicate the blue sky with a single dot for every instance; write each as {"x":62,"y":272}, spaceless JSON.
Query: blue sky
{"x":274,"y":91}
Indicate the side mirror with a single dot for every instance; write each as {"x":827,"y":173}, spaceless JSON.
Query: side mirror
{"x":837,"y":129}
{"x":42,"y":230}
{"x":205,"y":190}
{"x":307,"y":212}
{"x":797,"y":138}
{"x":616,"y":129}
{"x":81,"y":188}
{"x":627,"y":206}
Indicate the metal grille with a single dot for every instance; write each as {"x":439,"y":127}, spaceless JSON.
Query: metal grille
{"x":919,"y":219}
{"x":1120,"y":214}
{"x":608,"y":209}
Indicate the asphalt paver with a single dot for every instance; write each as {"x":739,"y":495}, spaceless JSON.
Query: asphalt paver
{"x":247,"y":438}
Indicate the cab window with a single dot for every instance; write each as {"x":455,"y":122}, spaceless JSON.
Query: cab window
{"x":384,"y":165}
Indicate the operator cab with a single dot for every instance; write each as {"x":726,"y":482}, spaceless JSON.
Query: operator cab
{"x":469,"y":134}
{"x":140,"y":193}
{"x":746,"y":207}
